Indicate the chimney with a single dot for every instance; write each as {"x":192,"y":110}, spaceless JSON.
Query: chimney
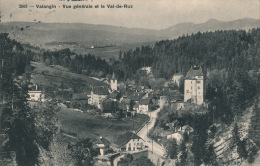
{"x":36,"y":87}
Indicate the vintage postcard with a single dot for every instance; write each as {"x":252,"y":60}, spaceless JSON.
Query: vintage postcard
{"x":129,"y":82}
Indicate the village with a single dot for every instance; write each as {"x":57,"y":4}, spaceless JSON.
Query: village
{"x":117,"y":100}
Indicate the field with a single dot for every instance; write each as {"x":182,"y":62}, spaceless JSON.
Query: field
{"x":56,"y":75}
{"x":91,"y":126}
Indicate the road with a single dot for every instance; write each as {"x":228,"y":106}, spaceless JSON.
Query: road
{"x":153,"y":146}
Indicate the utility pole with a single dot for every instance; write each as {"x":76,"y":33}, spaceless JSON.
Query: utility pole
{"x":214,"y":108}
{"x":152,"y":146}
{"x":147,"y":128}
{"x":2,"y":79}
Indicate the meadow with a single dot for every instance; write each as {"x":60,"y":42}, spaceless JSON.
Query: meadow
{"x":92,"y":126}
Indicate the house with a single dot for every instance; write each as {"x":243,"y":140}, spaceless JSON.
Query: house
{"x":137,"y":96}
{"x":193,"y":86}
{"x":103,"y":145}
{"x":97,"y":95}
{"x":35,"y":94}
{"x":105,"y":80}
{"x":176,"y":79}
{"x":177,"y":104}
{"x":163,"y":101}
{"x":145,"y":105}
{"x":146,"y":69}
{"x":79,"y":100}
{"x":126,"y":104}
{"x":107,"y":106}
{"x":177,"y":136}
{"x":130,"y":142}
{"x":136,"y":108}
{"x":115,"y":96}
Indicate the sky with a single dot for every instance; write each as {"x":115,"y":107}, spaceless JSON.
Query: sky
{"x":151,"y":14}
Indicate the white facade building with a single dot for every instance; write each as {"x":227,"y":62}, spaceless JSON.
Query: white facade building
{"x":176,"y":79}
{"x":194,"y":85}
{"x":130,"y":142}
{"x":36,"y":96}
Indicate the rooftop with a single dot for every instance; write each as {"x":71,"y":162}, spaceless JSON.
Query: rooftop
{"x":137,"y":96}
{"x":113,"y":77}
{"x":146,"y":101}
{"x":194,"y":71}
{"x":114,"y":95}
{"x":125,"y":138}
{"x":100,"y":91}
{"x":102,"y":140}
{"x":80,"y":96}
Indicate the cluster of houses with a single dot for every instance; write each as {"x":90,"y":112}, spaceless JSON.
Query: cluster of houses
{"x":136,"y":100}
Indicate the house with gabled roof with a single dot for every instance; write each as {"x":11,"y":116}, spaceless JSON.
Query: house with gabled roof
{"x":114,"y":95}
{"x":145,"y":105}
{"x":102,"y":144}
{"x":130,"y":142}
{"x":97,"y":95}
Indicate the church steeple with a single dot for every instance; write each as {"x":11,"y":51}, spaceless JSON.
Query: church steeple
{"x":113,"y":82}
{"x":113,"y":76}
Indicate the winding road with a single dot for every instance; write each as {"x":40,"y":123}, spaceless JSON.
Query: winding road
{"x":152,"y":145}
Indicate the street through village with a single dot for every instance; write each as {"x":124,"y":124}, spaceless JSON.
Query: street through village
{"x":143,"y":133}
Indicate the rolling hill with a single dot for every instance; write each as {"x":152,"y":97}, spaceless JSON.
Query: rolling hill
{"x":81,"y":37}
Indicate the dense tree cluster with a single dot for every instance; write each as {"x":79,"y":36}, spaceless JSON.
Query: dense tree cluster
{"x":82,"y":64}
{"x":17,"y":119}
{"x":211,"y":50}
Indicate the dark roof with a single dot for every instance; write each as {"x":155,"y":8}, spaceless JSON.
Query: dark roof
{"x":145,"y":101}
{"x":136,"y":106}
{"x":194,"y":71}
{"x":102,"y":140}
{"x":80,"y":96}
{"x":113,"y":95}
{"x":113,"y":77}
{"x":137,"y":96}
{"x":125,"y":138}
{"x":122,"y":106}
{"x":100,"y":91}
{"x":126,"y":101}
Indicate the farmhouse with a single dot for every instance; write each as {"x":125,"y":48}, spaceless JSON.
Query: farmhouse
{"x":130,"y":142}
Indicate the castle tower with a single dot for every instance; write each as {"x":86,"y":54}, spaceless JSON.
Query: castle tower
{"x":113,"y":82}
{"x":194,"y":85}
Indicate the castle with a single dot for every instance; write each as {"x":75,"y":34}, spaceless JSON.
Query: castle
{"x":193,"y":86}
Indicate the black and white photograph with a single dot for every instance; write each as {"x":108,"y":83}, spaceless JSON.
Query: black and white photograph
{"x":129,"y":82}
